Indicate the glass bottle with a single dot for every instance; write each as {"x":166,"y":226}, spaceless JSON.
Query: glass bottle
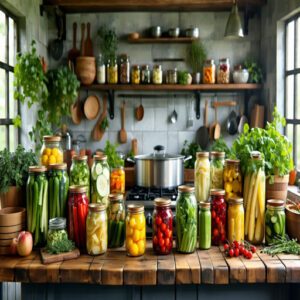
{"x":216,"y":169}
{"x":202,"y":176}
{"x":157,"y":74}
{"x":235,"y":220}
{"x":101,"y":70}
{"x":209,"y":72}
{"x":223,"y":71}
{"x":232,"y":178}
{"x":135,"y":74}
{"x":145,"y":75}
{"x":112,"y":71}
{"x":51,"y":152}
{"x":171,"y":77}
{"x":204,"y":225}
{"x":124,"y":69}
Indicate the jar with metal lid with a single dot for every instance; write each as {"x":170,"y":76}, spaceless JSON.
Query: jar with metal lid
{"x":232,"y":178}
{"x":145,"y":75}
{"x":100,"y":181}
{"x":209,"y":72}
{"x":135,"y":230}
{"x":51,"y":152}
{"x":101,"y":70}
{"x":218,"y":215}
{"x":96,"y":229}
{"x":37,"y":204}
{"x":124,"y":69}
{"x":77,"y":212}
{"x":202,"y":176}
{"x":235,"y":220}
{"x":80,"y":172}
{"x":112,"y":71}
{"x":186,"y":219}
{"x":216,"y":169}
{"x":223,"y":71}
{"x":162,"y":226}
{"x":57,"y":232}
{"x":116,"y":221}
{"x":171,"y":77}
{"x":204,"y":225}
{"x":157,"y":74}
{"x":58,"y":190}
{"x":135,"y":74}
{"x":117,"y":180}
{"x":275,"y":220}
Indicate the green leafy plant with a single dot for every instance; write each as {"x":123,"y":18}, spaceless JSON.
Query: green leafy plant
{"x":190,"y":149}
{"x":255,"y":71}
{"x":183,"y":77}
{"x":113,"y":158}
{"x":221,"y":146}
{"x":282,"y":245}
{"x":196,"y":56}
{"x":108,"y":42}
{"x":14,"y":167}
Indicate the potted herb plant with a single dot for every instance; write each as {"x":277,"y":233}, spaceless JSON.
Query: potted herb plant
{"x":108,"y":43}
{"x":14,"y":173}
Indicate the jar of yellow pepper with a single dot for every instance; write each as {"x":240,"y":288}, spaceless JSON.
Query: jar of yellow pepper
{"x":51,"y":152}
{"x":232,"y":178}
{"x":235,"y":220}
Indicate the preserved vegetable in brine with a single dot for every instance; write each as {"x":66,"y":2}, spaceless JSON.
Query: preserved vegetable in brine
{"x":204,"y":225}
{"x":235,"y":220}
{"x":202,"y":176}
{"x":216,"y":170}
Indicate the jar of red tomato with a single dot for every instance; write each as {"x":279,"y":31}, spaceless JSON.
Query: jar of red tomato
{"x":218,"y":215}
{"x":77,"y":213}
{"x":162,"y":225}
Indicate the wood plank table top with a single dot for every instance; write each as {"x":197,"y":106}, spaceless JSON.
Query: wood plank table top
{"x":115,"y":268}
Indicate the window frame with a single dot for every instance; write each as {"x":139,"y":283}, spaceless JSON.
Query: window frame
{"x":7,"y":122}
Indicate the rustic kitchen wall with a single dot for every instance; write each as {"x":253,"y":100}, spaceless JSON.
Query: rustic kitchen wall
{"x":155,"y":128}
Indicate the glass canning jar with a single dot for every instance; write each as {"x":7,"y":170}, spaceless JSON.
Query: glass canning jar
{"x":204,"y":225}
{"x":209,"y":72}
{"x":145,"y":75}
{"x":51,"y":152}
{"x":101,"y":70}
{"x":232,"y":178}
{"x":57,"y":231}
{"x":135,"y":74}
{"x":223,"y":71}
{"x":112,"y":71}
{"x":117,"y":180}
{"x":216,"y":169}
{"x":202,"y":176}
{"x":235,"y":220}
{"x":171,"y":77}
{"x":124,"y":69}
{"x":157,"y":74}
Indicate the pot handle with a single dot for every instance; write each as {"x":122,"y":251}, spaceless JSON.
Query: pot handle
{"x":187,"y":158}
{"x":130,"y":160}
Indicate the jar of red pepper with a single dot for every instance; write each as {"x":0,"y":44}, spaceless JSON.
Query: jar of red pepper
{"x":77,"y":213}
{"x":162,"y":225}
{"x":218,"y":215}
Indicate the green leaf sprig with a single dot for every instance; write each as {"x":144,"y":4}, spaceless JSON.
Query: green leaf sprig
{"x":190,"y":149}
{"x":113,"y":158}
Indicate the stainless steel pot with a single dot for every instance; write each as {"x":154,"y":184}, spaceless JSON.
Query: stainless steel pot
{"x":159,"y":169}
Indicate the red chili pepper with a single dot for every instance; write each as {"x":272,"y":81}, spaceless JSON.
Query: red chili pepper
{"x":76,"y":228}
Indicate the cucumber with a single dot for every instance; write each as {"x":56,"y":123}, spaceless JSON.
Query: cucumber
{"x":45,"y":208}
{"x":35,"y":205}
{"x":268,"y":231}
{"x":277,"y":228}
{"x":51,"y":197}
{"x":274,"y":219}
{"x":55,"y":196}
{"x":102,"y":186}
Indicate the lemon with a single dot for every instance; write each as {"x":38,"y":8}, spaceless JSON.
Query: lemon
{"x":134,"y":249}
{"x":136,"y":235}
{"x":52,"y":159}
{"x":55,"y":151}
{"x":47,"y":151}
{"x":132,"y":223}
{"x":141,"y":245}
{"x":45,"y":160}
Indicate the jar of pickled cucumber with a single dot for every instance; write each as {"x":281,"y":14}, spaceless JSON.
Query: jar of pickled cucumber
{"x":96,"y":229}
{"x":216,"y":169}
{"x":116,"y":221}
{"x":100,"y":181}
{"x":202,"y":176}
{"x":112,"y":71}
{"x":135,"y":75}
{"x":209,"y":72}
{"x":204,"y":225}
{"x":135,"y":230}
{"x":51,"y":152}
{"x":157,"y":74}
{"x":145,"y":75}
{"x":275,"y":220}
{"x":235,"y":220}
{"x":232,"y":178}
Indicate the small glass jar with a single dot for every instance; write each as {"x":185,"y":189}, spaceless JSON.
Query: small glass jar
{"x":171,"y":77}
{"x":135,"y":230}
{"x":232,"y":178}
{"x":51,"y":152}
{"x":216,"y":169}
{"x":80,"y":172}
{"x":218,"y":215}
{"x":209,"y":72}
{"x":112,"y":71}
{"x":37,"y":204}
{"x":145,"y":75}
{"x":58,"y":190}
{"x":135,"y":74}
{"x":235,"y":220}
{"x":162,"y":226}
{"x":117,"y":180}
{"x":57,"y":231}
{"x":96,"y":229}
{"x":100,"y":181}
{"x":116,"y":221}
{"x":275,"y":220}
{"x":101,"y":70}
{"x":223,"y":71}
{"x":77,"y":212}
{"x":186,"y":219}
{"x":202,"y":176}
{"x":124,"y":69}
{"x":204,"y":225}
{"x":157,"y":74}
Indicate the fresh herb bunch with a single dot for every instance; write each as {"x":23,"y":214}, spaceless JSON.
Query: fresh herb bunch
{"x":108,"y":43}
{"x":282,"y":245}
{"x":14,"y":167}
{"x":183,"y":77}
{"x":113,"y":158}
{"x":196,"y":56}
{"x":190,"y":149}
{"x":220,"y":145}
{"x":255,"y":72}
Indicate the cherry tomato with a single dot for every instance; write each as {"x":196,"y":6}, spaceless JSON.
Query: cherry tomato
{"x":231,"y":253}
{"x":236,"y":252}
{"x":249,"y":256}
{"x":155,"y":240}
{"x":170,"y":233}
{"x":242,"y":249}
{"x":226,"y":247}
{"x":213,"y":214}
{"x":253,"y":249}
{"x":217,"y":220}
{"x":163,"y":249}
{"x":161,"y":242}
{"x":159,"y":234}
{"x":236,"y":244}
{"x":216,"y":232}
{"x":163,"y":226}
{"x":167,"y":242}
{"x":246,"y":253}
{"x":166,"y":233}
{"x":158,"y":220}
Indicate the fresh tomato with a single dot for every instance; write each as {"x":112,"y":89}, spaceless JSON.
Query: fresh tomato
{"x":253,"y":249}
{"x":226,"y":247}
{"x":236,"y":252}
{"x":231,"y":253}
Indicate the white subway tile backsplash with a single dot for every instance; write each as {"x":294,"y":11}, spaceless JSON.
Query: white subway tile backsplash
{"x":153,"y":138}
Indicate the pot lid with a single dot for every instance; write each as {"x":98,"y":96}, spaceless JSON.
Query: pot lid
{"x":159,"y":154}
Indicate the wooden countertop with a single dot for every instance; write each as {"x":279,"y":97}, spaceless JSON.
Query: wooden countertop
{"x":115,"y":268}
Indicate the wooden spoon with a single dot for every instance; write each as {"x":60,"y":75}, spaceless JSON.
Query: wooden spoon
{"x":74,"y":52}
{"x":82,"y":48}
{"x":76,"y":113}
{"x":139,"y":112}
{"x":98,"y":132}
{"x":88,"y":42}
{"x":217,"y":131}
{"x":123,"y":133}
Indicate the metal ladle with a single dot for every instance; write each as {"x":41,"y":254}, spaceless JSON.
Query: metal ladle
{"x":173,"y":116}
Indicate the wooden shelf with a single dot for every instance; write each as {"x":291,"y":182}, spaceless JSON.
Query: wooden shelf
{"x":161,"y":40}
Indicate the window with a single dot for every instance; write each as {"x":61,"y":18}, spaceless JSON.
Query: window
{"x":292,"y":84}
{"x":9,"y":135}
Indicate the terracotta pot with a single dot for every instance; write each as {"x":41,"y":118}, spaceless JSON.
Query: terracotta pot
{"x":14,"y":197}
{"x":189,"y":175}
{"x":86,"y":69}
{"x":292,"y":222}
{"x":277,"y":190}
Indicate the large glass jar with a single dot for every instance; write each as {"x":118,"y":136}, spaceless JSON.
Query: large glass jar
{"x":157,"y":74}
{"x":96,"y":229}
{"x":186,"y":219}
{"x":254,"y":199}
{"x":216,"y":169}
{"x":101,"y":70}
{"x":232,"y":179}
{"x":124,"y":69}
{"x":57,"y":232}
{"x":204,"y":225}
{"x":77,"y":212}
{"x":235,"y":220}
{"x":171,"y":77}
{"x":37,"y":204}
{"x":223,"y":71}
{"x":202,"y":176}
{"x":58,"y":190}
{"x":145,"y":75}
{"x":100,"y":180}
{"x":112,"y":71}
{"x":135,"y":230}
{"x":218,"y":215}
{"x":116,"y":221}
{"x":162,"y":226}
{"x":209,"y":72}
{"x":135,"y":75}
{"x":275,"y":220}
{"x":80,"y":172}
{"x":51,"y":152}
{"x":117,"y":180}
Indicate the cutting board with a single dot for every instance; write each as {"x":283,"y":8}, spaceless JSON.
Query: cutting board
{"x":48,"y":258}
